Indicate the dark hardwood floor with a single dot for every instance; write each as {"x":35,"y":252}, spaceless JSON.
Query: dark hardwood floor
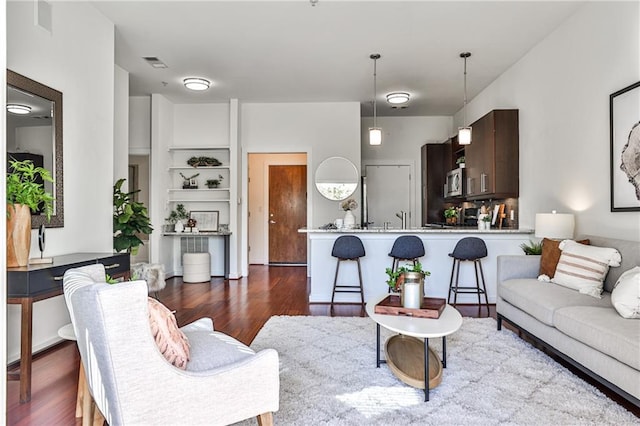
{"x":238,"y":307}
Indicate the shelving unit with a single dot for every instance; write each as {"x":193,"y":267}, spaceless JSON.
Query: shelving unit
{"x":201,"y":198}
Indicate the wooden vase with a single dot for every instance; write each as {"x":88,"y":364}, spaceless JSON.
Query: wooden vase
{"x":18,"y":235}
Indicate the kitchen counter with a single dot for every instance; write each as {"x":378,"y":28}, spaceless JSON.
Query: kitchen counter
{"x":438,"y":243}
{"x":413,"y":231}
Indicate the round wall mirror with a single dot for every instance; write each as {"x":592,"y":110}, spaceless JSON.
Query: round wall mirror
{"x":336,"y":178}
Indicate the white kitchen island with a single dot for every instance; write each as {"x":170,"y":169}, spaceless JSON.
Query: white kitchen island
{"x":438,"y":243}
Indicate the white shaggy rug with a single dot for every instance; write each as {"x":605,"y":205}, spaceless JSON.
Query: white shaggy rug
{"x":328,"y":376}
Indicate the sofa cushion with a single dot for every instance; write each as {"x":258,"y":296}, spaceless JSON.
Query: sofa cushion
{"x":541,"y":299}
{"x":211,"y":349}
{"x":602,"y":329}
{"x":583,"y":267}
{"x":625,"y":296}
{"x":551,"y":255}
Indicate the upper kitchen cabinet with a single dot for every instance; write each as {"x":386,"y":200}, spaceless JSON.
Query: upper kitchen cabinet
{"x":492,"y":158}
{"x":435,"y":163}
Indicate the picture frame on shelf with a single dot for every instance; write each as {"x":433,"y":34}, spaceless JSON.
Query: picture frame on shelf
{"x":206,"y":221}
{"x":624,"y":119}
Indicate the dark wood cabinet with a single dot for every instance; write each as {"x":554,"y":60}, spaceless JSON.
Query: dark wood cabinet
{"x":492,"y":158}
{"x":435,"y":163}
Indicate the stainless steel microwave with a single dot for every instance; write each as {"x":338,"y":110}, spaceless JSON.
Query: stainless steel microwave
{"x":453,"y":185}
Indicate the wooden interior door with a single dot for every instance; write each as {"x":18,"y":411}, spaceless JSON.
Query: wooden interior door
{"x":287,"y":214}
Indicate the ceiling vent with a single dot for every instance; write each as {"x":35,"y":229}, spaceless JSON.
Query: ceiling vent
{"x":155,"y":62}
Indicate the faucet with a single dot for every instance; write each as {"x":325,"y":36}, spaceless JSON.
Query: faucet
{"x":403,"y":217}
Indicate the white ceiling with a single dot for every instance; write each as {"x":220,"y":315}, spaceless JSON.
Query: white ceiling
{"x":291,"y":51}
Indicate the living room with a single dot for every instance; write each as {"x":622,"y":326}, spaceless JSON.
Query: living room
{"x":561,"y":87}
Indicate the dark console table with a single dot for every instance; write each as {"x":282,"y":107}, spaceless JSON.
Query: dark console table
{"x":29,"y":284}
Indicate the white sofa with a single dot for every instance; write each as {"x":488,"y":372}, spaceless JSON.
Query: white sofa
{"x":585,"y":331}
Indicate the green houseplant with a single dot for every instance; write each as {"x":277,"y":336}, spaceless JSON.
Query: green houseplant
{"x":214,"y":183}
{"x":180,"y":213}
{"x":130,"y":218}
{"x":451,"y":215}
{"x":396,"y":278}
{"x":531,"y":248}
{"x":25,"y":193}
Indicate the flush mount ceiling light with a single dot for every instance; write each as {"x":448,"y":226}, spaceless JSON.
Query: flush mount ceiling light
{"x":18,"y":109}
{"x":398,"y":98}
{"x":464,"y":132}
{"x":375,"y":133}
{"x":194,"y":83}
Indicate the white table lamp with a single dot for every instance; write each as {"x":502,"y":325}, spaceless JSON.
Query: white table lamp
{"x":554,"y":225}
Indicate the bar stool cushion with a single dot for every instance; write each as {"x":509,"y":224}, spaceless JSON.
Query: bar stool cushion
{"x":469,"y":248}
{"x":348,"y":247}
{"x":407,"y":247}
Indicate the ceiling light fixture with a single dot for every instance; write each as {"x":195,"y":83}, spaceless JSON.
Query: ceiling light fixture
{"x":464,"y":132}
{"x":194,"y":83}
{"x":398,"y":98}
{"x":375,"y":133}
{"x":18,"y":109}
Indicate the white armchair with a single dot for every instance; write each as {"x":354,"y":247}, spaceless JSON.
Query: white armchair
{"x":132,"y":383}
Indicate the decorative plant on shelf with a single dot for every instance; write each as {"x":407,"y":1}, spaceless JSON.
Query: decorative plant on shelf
{"x":531,"y":247}
{"x":130,"y":218}
{"x":214,"y":183}
{"x":25,"y":193}
{"x":180,"y":213}
{"x":396,"y":278}
{"x":460,"y":162}
{"x":189,"y":182}
{"x":203,"y":162}
{"x":451,"y":215}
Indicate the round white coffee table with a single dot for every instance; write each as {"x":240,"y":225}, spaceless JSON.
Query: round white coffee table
{"x":407,"y":358}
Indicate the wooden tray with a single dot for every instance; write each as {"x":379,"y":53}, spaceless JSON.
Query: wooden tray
{"x":431,"y":307}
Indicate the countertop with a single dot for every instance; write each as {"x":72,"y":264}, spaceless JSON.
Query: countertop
{"x":429,"y":230}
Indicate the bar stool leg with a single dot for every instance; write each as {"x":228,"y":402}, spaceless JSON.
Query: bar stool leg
{"x":455,"y":293}
{"x":486,"y":298}
{"x":475,"y":269}
{"x":453,"y":268}
{"x":360,"y":278}
{"x":335,"y":280}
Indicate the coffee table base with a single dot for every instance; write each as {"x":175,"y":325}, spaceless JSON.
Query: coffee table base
{"x":406,"y":358}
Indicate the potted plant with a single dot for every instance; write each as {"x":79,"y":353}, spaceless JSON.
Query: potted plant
{"x":451,"y":215}
{"x":130,"y":218}
{"x":531,"y":248}
{"x":25,"y":194}
{"x":409,"y":282}
{"x":460,"y":162}
{"x":396,"y":278}
{"x":177,"y":216}
{"x":214,"y":183}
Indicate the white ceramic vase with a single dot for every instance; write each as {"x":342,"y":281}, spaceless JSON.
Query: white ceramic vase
{"x":349,"y":221}
{"x":178,"y":227}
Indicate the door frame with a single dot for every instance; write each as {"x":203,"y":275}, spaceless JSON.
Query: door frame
{"x":414,"y":189}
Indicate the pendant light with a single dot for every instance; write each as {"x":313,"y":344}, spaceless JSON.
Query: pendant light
{"x":375,"y":132}
{"x":464,"y":133}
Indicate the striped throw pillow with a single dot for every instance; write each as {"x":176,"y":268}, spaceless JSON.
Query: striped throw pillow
{"x":583,"y":267}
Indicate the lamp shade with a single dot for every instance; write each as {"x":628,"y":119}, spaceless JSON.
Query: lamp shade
{"x":375,"y":136}
{"x":464,"y":135}
{"x":554,"y":225}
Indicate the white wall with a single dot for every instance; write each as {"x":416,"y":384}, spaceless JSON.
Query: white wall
{"x":140,"y":125}
{"x":562,"y":88}
{"x":402,"y":138}
{"x":77,"y":59}
{"x":121,"y":125}
{"x":321,"y":130}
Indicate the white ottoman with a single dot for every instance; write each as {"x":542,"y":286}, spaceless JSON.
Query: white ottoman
{"x":196,"y":267}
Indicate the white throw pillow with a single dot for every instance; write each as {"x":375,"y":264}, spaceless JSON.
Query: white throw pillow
{"x":625,"y":296}
{"x":583,"y":267}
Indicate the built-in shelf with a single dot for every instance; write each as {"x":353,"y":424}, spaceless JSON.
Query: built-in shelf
{"x":197,"y":189}
{"x":197,"y":168}
{"x":197,"y":148}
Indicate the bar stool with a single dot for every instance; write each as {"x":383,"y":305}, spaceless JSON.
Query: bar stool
{"x":406,"y":248}
{"x":468,"y":249}
{"x":348,"y":248}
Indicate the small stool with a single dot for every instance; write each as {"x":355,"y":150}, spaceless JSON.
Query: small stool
{"x":152,"y":273}
{"x":85,"y":407}
{"x":468,"y":249}
{"x":196,"y":267}
{"x":348,"y":248}
{"x":406,"y":248}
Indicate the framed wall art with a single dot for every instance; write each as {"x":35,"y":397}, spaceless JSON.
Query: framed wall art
{"x":624,"y":117}
{"x":206,"y":221}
